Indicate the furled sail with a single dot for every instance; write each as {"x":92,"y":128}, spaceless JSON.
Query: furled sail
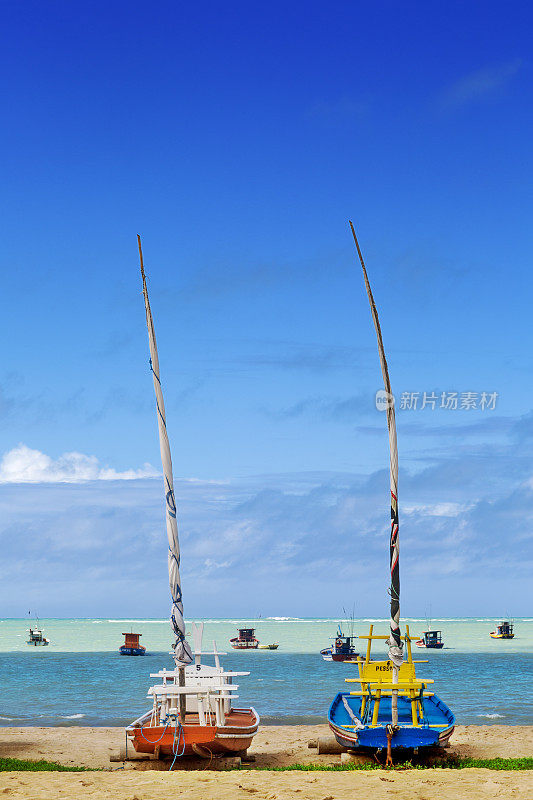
{"x":395,"y":641}
{"x":182,"y":650}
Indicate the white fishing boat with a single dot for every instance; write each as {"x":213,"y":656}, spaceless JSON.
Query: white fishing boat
{"x":37,"y":638}
{"x":36,"y":635}
{"x":192,"y":711}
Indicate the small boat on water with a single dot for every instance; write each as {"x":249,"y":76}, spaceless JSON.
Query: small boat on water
{"x":342,"y":649}
{"x":505,"y":630}
{"x":192,"y":709}
{"x":246,"y":640}
{"x":431,"y":640}
{"x":392,"y":708}
{"x":273,"y":646}
{"x":132,"y":646}
{"x":37,"y":638}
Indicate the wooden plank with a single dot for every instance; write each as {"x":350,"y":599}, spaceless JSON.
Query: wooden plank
{"x":388,"y":693}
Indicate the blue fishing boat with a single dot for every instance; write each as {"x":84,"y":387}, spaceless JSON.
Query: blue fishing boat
{"x":363,"y":718}
{"x":392,"y":708}
{"x":342,"y":649}
{"x":432,"y":640}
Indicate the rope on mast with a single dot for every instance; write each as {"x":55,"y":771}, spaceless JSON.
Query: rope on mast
{"x":182,"y":650}
{"x":395,"y":641}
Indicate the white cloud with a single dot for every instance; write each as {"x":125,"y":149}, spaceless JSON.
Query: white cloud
{"x":300,"y":544}
{"x":478,"y":84}
{"x":24,"y":465}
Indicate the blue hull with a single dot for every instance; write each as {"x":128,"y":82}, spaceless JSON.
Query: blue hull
{"x":436,"y":713}
{"x":132,"y":651}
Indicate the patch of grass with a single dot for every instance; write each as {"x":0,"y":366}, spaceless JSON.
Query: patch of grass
{"x":491,"y":763}
{"x":519,"y":764}
{"x":21,"y":765}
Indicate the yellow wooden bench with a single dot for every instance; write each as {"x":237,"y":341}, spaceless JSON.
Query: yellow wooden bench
{"x":376,"y":682}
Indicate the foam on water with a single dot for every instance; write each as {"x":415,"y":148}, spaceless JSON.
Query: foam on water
{"x":492,"y":716}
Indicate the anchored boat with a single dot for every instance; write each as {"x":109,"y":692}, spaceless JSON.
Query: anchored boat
{"x":392,"y":708}
{"x":132,"y":646}
{"x":342,"y":649}
{"x":505,"y":630}
{"x":37,"y":638}
{"x":192,"y":711}
{"x":431,"y":640}
{"x":246,"y":640}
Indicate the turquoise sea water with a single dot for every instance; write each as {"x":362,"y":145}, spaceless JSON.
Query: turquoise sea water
{"x":80,"y":679}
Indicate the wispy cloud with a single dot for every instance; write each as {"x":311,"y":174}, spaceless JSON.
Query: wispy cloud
{"x":24,"y":465}
{"x":309,"y":357}
{"x":334,"y":409}
{"x":479,"y":84}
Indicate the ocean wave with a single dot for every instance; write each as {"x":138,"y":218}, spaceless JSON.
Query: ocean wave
{"x":141,"y":621}
{"x":72,"y":716}
{"x":492,"y":716}
{"x":285,"y":619}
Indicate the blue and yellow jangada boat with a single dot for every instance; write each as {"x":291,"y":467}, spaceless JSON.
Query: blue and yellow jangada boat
{"x":363,"y":718}
{"x":392,"y":708}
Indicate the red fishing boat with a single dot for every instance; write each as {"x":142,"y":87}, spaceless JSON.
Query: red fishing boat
{"x":207,"y":724}
{"x":245,"y":640}
{"x":192,"y":711}
{"x":132,"y":646}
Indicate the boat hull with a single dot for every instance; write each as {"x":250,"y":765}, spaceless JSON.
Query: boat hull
{"x":495,"y":635}
{"x":244,"y":645}
{"x":437,"y":646}
{"x":436,"y":713}
{"x":234,"y":736}
{"x":132,"y":651}
{"x":329,"y":655}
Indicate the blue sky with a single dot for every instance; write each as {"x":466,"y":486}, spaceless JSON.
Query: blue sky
{"x":238,"y":141}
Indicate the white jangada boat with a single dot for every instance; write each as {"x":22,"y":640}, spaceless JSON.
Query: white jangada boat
{"x":192,"y":711}
{"x":210,"y":724}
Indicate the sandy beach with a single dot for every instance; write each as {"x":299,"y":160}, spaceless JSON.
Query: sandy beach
{"x":273,"y":746}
